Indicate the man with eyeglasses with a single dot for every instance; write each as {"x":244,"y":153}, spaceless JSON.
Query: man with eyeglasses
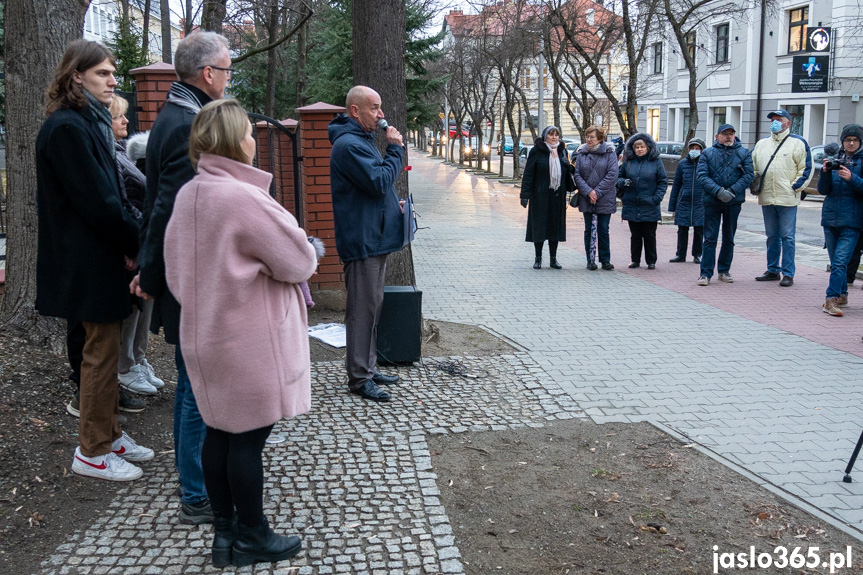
{"x":841,"y":184}
{"x":203,"y":67}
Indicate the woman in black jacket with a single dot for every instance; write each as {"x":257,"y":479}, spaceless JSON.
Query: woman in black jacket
{"x":545,"y":183}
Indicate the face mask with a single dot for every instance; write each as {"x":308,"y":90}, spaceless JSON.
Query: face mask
{"x":693,"y":154}
{"x":775,"y":126}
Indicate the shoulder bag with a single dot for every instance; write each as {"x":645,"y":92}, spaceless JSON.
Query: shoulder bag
{"x":755,"y":186}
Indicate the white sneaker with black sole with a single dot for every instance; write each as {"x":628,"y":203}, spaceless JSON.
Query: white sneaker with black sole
{"x":108,"y":467}
{"x":136,"y":381}
{"x":125,"y":447}
{"x":151,"y":374}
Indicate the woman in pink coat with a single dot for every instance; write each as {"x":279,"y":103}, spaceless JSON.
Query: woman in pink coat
{"x":234,"y":260}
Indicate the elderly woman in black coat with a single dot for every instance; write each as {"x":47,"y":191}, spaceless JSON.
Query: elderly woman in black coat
{"x":545,"y":183}
{"x":642,"y":184}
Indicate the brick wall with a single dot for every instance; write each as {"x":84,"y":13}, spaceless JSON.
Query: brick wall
{"x":152,"y":84}
{"x":315,"y":181}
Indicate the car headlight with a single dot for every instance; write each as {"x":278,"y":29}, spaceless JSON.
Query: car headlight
{"x":486,"y":149}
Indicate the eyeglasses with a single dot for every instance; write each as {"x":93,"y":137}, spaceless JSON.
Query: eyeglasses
{"x":852,"y":140}
{"x":228,"y":71}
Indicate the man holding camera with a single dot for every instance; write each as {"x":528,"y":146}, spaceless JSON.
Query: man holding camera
{"x":841,"y":184}
{"x":790,"y":168}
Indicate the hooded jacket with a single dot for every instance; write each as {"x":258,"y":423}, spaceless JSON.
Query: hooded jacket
{"x":843,"y":200}
{"x":642,"y":200}
{"x":790,"y":171}
{"x":722,"y":166}
{"x":596,"y":171}
{"x":687,"y":195}
{"x":366,"y":212}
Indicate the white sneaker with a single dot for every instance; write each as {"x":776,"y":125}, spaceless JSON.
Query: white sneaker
{"x":726,"y":278}
{"x":108,"y":466}
{"x":151,"y":375}
{"x":703,"y":281}
{"x":126,"y":448}
{"x":136,"y":381}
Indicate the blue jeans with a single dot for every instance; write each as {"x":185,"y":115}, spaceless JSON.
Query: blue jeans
{"x":713,"y":214}
{"x":603,"y":245}
{"x":840,"y":244}
{"x":780,"y":225}
{"x":189,"y":434}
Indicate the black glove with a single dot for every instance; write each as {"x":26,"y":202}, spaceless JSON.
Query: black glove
{"x":524,"y":202}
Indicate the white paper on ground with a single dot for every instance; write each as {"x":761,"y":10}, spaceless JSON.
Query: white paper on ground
{"x":333,"y":334}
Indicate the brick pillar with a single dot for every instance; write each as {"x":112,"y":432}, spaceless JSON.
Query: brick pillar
{"x":282,"y":158}
{"x":315,"y":181}
{"x":152,"y":84}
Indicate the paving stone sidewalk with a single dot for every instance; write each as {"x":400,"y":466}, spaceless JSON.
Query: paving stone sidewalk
{"x":354,"y":478}
{"x":755,"y":373}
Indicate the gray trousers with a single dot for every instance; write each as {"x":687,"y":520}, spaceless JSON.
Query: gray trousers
{"x":364,"y":280}
{"x":134,"y":337}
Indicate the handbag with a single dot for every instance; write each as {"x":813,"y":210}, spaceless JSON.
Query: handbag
{"x":755,"y":186}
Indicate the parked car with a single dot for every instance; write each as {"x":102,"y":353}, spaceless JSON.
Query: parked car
{"x":523,"y":153}
{"x":470,"y":150}
{"x":670,"y":153}
{"x":571,"y":145}
{"x":817,"y":159}
{"x":505,"y":147}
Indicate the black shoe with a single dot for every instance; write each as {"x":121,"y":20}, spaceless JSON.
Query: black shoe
{"x":537,"y":263}
{"x":552,"y":263}
{"x":677,"y":260}
{"x":130,"y":403}
{"x":196,"y":513}
{"x":634,"y":265}
{"x":260,"y":544}
{"x":651,"y":266}
{"x":592,"y":266}
{"x":696,"y":259}
{"x":787,"y":281}
{"x":370,"y":390}
{"x":225,"y":534}
{"x":607,"y":266}
{"x":382,"y":379}
{"x":767,"y":277}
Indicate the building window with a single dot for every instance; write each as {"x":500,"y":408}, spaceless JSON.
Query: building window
{"x":722,"y":43}
{"x":720,"y":116}
{"x":798,"y":24}
{"x":525,"y":78}
{"x":689,"y":43}
{"x":653,"y":123}
{"x":797,"y":113}
{"x":657,"y":58}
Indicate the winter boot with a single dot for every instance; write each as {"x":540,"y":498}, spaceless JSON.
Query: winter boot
{"x":260,"y":544}
{"x":225,"y":533}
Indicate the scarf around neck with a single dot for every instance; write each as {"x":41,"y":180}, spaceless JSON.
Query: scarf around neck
{"x":99,"y":113}
{"x":553,"y":166}
{"x":184,"y":97}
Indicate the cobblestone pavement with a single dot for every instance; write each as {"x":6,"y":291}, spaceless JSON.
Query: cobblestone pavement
{"x":755,"y":373}
{"x":354,"y":478}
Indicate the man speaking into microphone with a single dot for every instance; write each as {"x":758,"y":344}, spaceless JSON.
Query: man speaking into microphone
{"x":367,"y":215}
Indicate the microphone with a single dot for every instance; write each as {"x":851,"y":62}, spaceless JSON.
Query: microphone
{"x":382,"y":124}
{"x":831,"y":149}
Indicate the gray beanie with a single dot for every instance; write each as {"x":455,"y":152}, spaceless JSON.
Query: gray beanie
{"x":697,"y":142}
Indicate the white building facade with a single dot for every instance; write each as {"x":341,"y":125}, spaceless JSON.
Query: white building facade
{"x":103,"y":16}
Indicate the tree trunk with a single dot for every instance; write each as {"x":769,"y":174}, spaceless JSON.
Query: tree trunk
{"x":272,"y":36}
{"x":188,"y":20}
{"x":37,"y":34}
{"x":379,"y":63}
{"x":145,"y":41}
{"x":214,"y":15}
{"x":167,"y":53}
{"x":302,"y":56}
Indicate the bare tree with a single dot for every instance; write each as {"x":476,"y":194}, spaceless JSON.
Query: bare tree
{"x":167,"y":52}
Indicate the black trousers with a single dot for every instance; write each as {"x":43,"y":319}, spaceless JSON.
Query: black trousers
{"x":75,"y":337}
{"x":683,"y":240}
{"x":234,"y":473}
{"x":643,"y":233}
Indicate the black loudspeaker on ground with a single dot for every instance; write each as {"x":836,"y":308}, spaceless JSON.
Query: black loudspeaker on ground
{"x":400,"y":327}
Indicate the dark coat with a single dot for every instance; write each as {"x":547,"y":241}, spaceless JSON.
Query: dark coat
{"x":686,"y":199}
{"x":727,"y":167}
{"x":168,"y":169}
{"x":642,"y":200}
{"x":366,"y":212}
{"x":596,"y":171}
{"x":133,"y":179}
{"x":843,"y":201}
{"x":84,"y":231}
{"x":546,"y":212}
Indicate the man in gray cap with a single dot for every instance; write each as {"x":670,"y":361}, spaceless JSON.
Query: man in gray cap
{"x":784,"y":162}
{"x":724,"y":172}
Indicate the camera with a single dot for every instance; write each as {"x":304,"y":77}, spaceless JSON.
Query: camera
{"x":836,"y":163}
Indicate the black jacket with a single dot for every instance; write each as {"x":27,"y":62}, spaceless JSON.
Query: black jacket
{"x":168,"y":169}
{"x":546,"y":212}
{"x":84,"y":231}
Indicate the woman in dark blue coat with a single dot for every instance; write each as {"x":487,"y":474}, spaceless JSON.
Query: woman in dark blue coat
{"x":642,"y":184}
{"x":545,"y":183}
{"x":686,"y":203}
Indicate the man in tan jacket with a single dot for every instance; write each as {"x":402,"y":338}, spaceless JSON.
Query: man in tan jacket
{"x":789,"y":172}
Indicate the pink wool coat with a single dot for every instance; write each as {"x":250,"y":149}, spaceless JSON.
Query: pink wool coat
{"x":234,"y":259}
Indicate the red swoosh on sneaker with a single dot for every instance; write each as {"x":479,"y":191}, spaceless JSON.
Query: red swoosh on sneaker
{"x":101,"y":466}
{"x":120,"y":451}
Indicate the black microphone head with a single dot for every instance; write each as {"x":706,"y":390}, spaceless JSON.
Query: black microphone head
{"x":382,"y":124}
{"x":831,"y":149}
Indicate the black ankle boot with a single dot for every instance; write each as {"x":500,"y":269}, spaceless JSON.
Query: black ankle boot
{"x":260,"y":544}
{"x":225,"y":533}
{"x":537,"y":263}
{"x":553,"y":263}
